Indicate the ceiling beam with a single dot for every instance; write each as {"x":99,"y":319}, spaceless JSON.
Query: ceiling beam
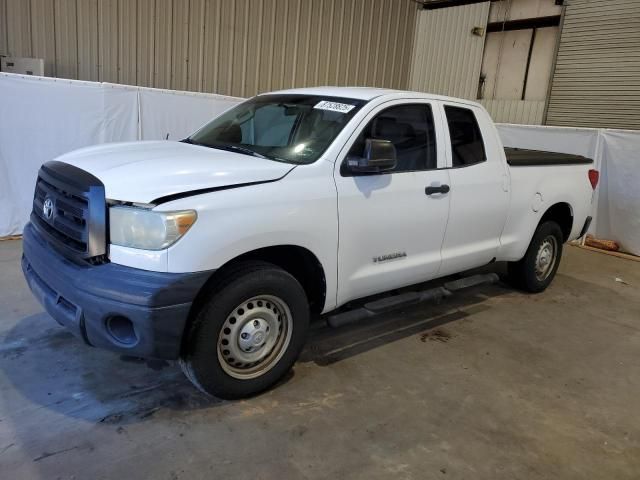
{"x":524,"y":24}
{"x":436,"y":4}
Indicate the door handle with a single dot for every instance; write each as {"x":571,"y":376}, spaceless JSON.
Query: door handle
{"x":440,"y":189}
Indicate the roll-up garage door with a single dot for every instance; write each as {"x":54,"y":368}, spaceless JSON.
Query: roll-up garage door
{"x":597,"y":76}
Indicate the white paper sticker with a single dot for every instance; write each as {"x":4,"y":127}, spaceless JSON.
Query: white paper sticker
{"x":334,"y":106}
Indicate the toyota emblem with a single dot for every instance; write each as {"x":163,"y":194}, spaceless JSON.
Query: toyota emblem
{"x":47,"y":208}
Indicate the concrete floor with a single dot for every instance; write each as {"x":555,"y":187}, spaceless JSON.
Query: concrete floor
{"x":490,"y":384}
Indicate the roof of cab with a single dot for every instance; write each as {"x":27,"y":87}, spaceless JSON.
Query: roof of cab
{"x":366,"y":93}
{"x":360,"y":93}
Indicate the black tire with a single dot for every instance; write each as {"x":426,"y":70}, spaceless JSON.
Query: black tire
{"x":202,"y":359}
{"x":525,"y":274}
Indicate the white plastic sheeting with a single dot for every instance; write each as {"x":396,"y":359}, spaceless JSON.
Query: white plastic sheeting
{"x":616,"y":153}
{"x":167,"y":113}
{"x":41,"y":118}
{"x":619,"y":205}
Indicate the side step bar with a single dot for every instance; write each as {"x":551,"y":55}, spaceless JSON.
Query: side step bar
{"x":386,"y":304}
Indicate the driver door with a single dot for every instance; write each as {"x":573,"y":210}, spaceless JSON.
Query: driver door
{"x":392,"y":224}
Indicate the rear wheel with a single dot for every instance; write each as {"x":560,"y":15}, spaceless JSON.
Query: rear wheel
{"x":538,"y":267}
{"x":248,"y":334}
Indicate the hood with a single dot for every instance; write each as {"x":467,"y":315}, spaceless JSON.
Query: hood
{"x":141,"y":172}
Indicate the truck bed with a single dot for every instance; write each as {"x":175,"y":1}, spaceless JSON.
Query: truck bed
{"x":520,"y":157}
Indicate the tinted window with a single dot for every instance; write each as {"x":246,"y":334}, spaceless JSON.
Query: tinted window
{"x":467,"y":146}
{"x":410,"y":129}
{"x":270,"y":126}
{"x":288,"y":128}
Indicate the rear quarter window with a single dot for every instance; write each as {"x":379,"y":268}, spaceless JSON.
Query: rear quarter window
{"x":467,"y":146}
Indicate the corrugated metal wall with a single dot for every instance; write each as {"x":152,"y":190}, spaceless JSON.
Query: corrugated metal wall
{"x":530,"y":112}
{"x":447,"y":57}
{"x":232,"y":47}
{"x":597,"y":76}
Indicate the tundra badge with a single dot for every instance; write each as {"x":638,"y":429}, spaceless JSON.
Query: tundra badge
{"x":389,"y":256}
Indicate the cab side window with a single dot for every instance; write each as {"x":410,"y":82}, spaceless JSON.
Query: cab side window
{"x":410,"y":128}
{"x":467,"y":147}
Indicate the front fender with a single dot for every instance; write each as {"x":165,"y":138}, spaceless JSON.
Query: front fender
{"x":299,"y":210}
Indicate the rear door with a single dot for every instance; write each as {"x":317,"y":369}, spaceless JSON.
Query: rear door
{"x":479,"y":196}
{"x":390,"y":230}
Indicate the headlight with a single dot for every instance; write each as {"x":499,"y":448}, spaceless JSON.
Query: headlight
{"x":146,"y":229}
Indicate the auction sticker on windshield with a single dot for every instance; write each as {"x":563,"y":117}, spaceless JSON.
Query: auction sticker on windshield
{"x":334,"y":106}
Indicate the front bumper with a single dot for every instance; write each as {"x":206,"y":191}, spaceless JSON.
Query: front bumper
{"x":87,"y":298}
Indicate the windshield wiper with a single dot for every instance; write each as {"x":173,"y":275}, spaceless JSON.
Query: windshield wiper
{"x":191,"y":142}
{"x":236,"y":148}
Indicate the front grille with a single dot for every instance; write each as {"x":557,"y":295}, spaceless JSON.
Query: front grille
{"x":69,"y":208}
{"x":68,"y":218}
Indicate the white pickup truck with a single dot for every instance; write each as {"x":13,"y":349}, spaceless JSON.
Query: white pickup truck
{"x":217,"y":249}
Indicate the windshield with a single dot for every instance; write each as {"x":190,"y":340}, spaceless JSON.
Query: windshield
{"x":288,"y":128}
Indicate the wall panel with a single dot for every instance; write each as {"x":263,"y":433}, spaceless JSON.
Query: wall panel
{"x":530,"y":112}
{"x":233,"y":47}
{"x":335,"y":45}
{"x":505,"y":64}
{"x":211,"y":47}
{"x":314,"y":71}
{"x":195,"y":55}
{"x":3,"y":30}
{"x":261,"y":29}
{"x":279,"y":45}
{"x":17,"y":24}
{"x":127,"y":41}
{"x":180,"y":44}
{"x":163,"y":29}
{"x":108,"y":61}
{"x":66,"y":38}
{"x":42,"y":32}
{"x":542,"y":57}
{"x":87,"y":24}
{"x":145,"y":42}
{"x":447,"y":57}
{"x":266,"y":46}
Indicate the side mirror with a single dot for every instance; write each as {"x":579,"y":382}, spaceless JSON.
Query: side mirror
{"x":379,"y":156}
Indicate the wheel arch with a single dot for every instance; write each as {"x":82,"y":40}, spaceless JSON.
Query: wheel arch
{"x":562,"y":214}
{"x":298,"y":261}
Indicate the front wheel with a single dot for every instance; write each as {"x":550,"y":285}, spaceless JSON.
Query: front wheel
{"x":537,"y":268}
{"x":249,"y":334}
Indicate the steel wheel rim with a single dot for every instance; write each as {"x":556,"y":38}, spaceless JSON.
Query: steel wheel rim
{"x":546,"y":258}
{"x":254,"y":336}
